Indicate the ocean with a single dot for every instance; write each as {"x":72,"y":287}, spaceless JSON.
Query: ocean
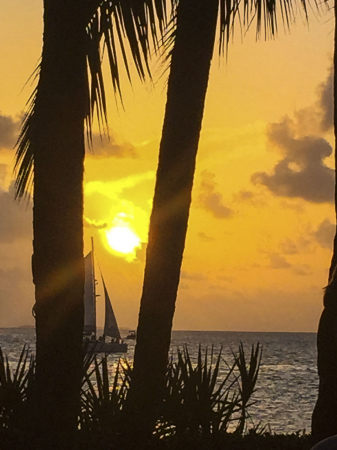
{"x":287,"y":384}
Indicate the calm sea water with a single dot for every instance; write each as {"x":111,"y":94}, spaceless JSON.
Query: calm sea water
{"x":287,"y":383}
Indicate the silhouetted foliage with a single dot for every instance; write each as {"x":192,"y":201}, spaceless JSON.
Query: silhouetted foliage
{"x":198,"y":402}
{"x":16,"y":388}
{"x":110,"y":25}
{"x":17,"y":382}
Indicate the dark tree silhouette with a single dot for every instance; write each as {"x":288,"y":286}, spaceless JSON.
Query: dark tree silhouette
{"x":52,"y":139}
{"x":324,"y":418}
{"x":187,"y":85}
{"x":58,"y":140}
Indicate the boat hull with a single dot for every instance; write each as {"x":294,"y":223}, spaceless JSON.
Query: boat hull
{"x":106,"y":347}
{"x":131,"y":337}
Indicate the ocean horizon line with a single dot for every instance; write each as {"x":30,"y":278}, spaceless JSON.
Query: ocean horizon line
{"x":28,"y":326}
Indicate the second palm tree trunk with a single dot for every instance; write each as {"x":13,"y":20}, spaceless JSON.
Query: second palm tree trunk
{"x":324,"y":419}
{"x":187,"y":85}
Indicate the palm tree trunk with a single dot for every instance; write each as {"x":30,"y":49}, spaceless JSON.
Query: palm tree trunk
{"x":187,"y":85}
{"x":58,"y":142}
{"x":324,"y":419}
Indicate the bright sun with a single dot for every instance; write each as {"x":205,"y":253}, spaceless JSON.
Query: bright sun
{"x":123,"y":240}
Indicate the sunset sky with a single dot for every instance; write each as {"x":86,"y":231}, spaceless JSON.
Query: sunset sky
{"x":262,"y":219}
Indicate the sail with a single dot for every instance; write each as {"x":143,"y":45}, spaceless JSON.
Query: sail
{"x":110,"y":325}
{"x":89,"y":296}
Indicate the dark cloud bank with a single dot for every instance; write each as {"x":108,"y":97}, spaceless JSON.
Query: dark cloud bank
{"x":302,"y":172}
{"x":324,"y":234}
{"x":9,"y":129}
{"x":325,"y":102}
{"x":16,"y":218}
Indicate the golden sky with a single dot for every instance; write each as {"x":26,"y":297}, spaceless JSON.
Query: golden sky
{"x":261,"y":223}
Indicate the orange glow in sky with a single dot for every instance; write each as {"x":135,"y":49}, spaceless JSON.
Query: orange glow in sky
{"x":259,"y":238}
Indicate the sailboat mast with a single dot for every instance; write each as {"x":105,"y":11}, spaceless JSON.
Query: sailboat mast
{"x":93,"y":270}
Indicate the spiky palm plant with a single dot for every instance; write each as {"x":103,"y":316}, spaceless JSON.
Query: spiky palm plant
{"x":201,"y":400}
{"x":203,"y":397}
{"x":196,"y":400}
{"x":248,"y":373}
{"x":102,"y":401}
{"x":16,"y":386}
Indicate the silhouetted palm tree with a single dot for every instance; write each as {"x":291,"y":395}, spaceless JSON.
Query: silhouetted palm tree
{"x":52,"y":139}
{"x":324,"y":418}
{"x":187,"y":85}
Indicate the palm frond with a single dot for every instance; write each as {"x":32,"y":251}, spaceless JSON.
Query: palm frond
{"x":102,"y":400}
{"x":139,"y":23}
{"x":15,"y":388}
{"x":248,"y":374}
{"x":264,"y":13}
{"x":143,"y":25}
{"x":24,"y":155}
{"x":199,"y":397}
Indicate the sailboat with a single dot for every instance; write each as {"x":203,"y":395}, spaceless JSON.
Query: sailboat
{"x":111,"y":329}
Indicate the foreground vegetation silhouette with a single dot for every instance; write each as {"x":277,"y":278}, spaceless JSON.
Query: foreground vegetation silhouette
{"x":203,"y":400}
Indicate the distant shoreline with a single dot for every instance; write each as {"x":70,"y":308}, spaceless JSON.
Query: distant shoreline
{"x":123,"y":329}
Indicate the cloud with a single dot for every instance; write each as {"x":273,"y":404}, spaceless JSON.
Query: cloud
{"x":103,"y":147}
{"x":278,"y":261}
{"x":212,"y":200}
{"x":302,"y":270}
{"x":141,"y":252}
{"x":3,"y":173}
{"x":325,"y":233}
{"x":317,"y":117}
{"x":325,"y":102}
{"x":113,"y":188}
{"x":288,"y":247}
{"x":193,"y":276}
{"x":98,"y":225}
{"x":249,"y":197}
{"x":302,"y":172}
{"x":16,"y":223}
{"x":205,"y":237}
{"x":245,"y":195}
{"x":9,"y":128}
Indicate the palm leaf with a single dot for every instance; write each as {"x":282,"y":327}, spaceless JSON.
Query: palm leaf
{"x":110,"y":23}
{"x":15,"y":388}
